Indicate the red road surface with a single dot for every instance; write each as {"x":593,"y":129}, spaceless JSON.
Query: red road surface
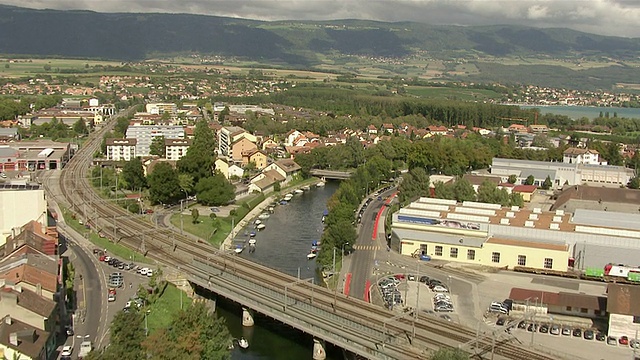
{"x":347,"y":284}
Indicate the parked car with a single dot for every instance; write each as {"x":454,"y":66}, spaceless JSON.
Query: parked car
{"x":624,"y":340}
{"x":566,"y":331}
{"x":522,"y":325}
{"x":440,"y":288}
{"x":601,"y":337}
{"x":555,"y":329}
{"x":501,"y":321}
{"x":577,"y":332}
{"x":111,"y":298}
{"x":634,"y":343}
{"x":69,"y":330}
{"x":611,"y":340}
{"x":532,"y":328}
{"x":589,"y":334}
{"x":544,"y":328}
{"x":66,"y":350}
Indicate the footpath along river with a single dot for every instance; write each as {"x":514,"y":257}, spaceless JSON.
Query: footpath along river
{"x":283,"y":245}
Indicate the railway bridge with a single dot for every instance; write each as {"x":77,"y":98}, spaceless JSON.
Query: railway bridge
{"x":360,"y":327}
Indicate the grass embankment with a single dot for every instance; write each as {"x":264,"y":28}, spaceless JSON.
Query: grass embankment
{"x":162,"y":310}
{"x":215,"y":235}
{"x":117,"y":250}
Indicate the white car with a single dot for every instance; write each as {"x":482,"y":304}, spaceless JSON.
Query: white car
{"x":439,"y":288}
{"x":143,"y":271}
{"x":149,"y":272}
{"x":111,"y":298}
{"x":66,"y":350}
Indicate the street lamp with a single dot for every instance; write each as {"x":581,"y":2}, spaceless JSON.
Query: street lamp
{"x":342,"y":258}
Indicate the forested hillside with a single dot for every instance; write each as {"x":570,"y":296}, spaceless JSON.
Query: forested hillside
{"x":130,"y":36}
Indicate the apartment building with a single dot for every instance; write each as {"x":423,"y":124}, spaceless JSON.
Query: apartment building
{"x":175,"y":149}
{"x":144,"y":135}
{"x":121,"y":149}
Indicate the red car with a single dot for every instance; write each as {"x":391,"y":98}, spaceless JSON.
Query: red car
{"x":112,"y":291}
{"x":102,"y":257}
{"x":399,"y":276}
{"x":624,"y":340}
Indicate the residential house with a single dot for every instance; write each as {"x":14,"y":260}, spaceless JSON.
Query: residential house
{"x":291,"y":136}
{"x":285,"y":167}
{"x":517,"y":128}
{"x":35,"y":235}
{"x":27,"y":306}
{"x":437,"y":130}
{"x":121,"y":149}
{"x":9,"y":134}
{"x":19,"y":340}
{"x":538,"y":129}
{"x":258,"y":157}
{"x":14,"y":214}
{"x":575,"y":155}
{"x":561,"y":303}
{"x":269,"y":143}
{"x":388,"y":128}
{"x":265,"y":181}
{"x":241,"y":146}
{"x":32,"y":270}
{"x":175,"y":149}
{"x":372,"y":129}
{"x":477,"y":180}
{"x":228,"y":170}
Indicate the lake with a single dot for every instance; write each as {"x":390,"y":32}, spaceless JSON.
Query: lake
{"x":591,"y":112}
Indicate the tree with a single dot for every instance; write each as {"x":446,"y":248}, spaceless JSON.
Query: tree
{"x":634,"y":183}
{"x":195,"y":214}
{"x":463,"y":190}
{"x":80,"y":127}
{"x":277,"y":187}
{"x":443,"y":191}
{"x":133,"y":174}
{"x":415,"y":184}
{"x":127,"y":334}
{"x":215,"y":190}
{"x":530,"y":180}
{"x":47,"y":68}
{"x":194,"y":333}
{"x":512,"y":179}
{"x":516,"y":199}
{"x":198,"y":162}
{"x":547,"y":184}
{"x":163,"y":184}
{"x":157,"y":146}
{"x":450,"y":354}
{"x":186,"y":182}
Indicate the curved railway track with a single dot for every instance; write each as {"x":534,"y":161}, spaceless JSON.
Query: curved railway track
{"x":172,"y":249}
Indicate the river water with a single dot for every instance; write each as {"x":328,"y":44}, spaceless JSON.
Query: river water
{"x":282,"y":245}
{"x":590,"y":112}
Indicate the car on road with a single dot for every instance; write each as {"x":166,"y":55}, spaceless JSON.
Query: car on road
{"x":111,"y":297}
{"x":69,"y":330}
{"x":66,"y":350}
{"x":112,"y":291}
{"x":215,"y":209}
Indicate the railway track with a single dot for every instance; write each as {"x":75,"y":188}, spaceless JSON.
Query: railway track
{"x":172,"y":249}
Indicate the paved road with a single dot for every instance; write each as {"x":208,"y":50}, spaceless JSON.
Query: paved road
{"x":362,"y":260}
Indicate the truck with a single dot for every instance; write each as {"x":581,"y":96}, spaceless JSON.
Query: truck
{"x":85,"y":349}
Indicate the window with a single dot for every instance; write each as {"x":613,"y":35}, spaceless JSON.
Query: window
{"x":423,"y":249}
{"x":548,"y":263}
{"x":438,"y":250}
{"x":471,"y":254}
{"x":584,"y":310}
{"x":495,"y":257}
{"x":568,"y":308}
{"x":522,"y":260}
{"x":454,"y":252}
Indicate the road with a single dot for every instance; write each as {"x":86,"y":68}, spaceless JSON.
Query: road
{"x":366,"y":248}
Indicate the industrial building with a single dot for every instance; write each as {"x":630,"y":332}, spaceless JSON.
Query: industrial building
{"x":34,"y":155}
{"x":491,"y":235}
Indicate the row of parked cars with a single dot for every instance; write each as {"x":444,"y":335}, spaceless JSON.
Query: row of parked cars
{"x":389,"y":290}
{"x":587,"y":334}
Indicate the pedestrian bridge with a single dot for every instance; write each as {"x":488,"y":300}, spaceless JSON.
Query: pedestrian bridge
{"x":328,"y":174}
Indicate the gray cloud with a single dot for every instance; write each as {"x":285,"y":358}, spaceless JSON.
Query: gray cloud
{"x":606,"y":17}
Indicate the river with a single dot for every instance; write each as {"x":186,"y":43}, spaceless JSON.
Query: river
{"x":591,"y":112}
{"x":282,"y":245}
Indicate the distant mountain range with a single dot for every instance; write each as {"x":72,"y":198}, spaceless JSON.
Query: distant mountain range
{"x":138,"y":36}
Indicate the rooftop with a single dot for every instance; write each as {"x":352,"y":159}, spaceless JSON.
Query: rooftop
{"x":27,"y":339}
{"x":624,"y":299}
{"x":607,"y":219}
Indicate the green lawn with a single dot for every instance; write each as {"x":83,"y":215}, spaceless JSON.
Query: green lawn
{"x":162,"y":310}
{"x":117,"y":250}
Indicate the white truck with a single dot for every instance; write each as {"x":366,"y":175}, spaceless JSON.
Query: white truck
{"x":85,"y":349}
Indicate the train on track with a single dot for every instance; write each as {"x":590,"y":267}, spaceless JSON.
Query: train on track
{"x":615,"y":273}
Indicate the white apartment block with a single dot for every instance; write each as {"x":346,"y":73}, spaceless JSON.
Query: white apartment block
{"x":144,"y":135}
{"x":121,"y":149}
{"x":175,"y":149}
{"x":161,"y":108}
{"x":228,"y":135}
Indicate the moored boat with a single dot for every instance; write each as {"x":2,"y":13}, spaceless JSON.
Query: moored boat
{"x":320,"y":184}
{"x":306,"y":188}
{"x":243,"y":343}
{"x":288,"y":197}
{"x":298,"y":191}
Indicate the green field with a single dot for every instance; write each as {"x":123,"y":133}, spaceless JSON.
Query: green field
{"x":30,"y":67}
{"x":162,"y":310}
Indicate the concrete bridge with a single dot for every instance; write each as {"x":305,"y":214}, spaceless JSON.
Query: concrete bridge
{"x":328,"y":174}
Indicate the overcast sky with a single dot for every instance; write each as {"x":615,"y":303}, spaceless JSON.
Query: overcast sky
{"x":606,"y":17}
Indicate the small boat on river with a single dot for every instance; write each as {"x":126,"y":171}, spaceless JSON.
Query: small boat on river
{"x":288,"y":197}
{"x":320,"y":184}
{"x":260,"y":226}
{"x":306,"y":188}
{"x":298,"y":192}
{"x":243,"y":343}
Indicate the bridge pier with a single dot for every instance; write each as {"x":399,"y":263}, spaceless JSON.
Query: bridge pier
{"x":247,"y":317}
{"x":319,"y":352}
